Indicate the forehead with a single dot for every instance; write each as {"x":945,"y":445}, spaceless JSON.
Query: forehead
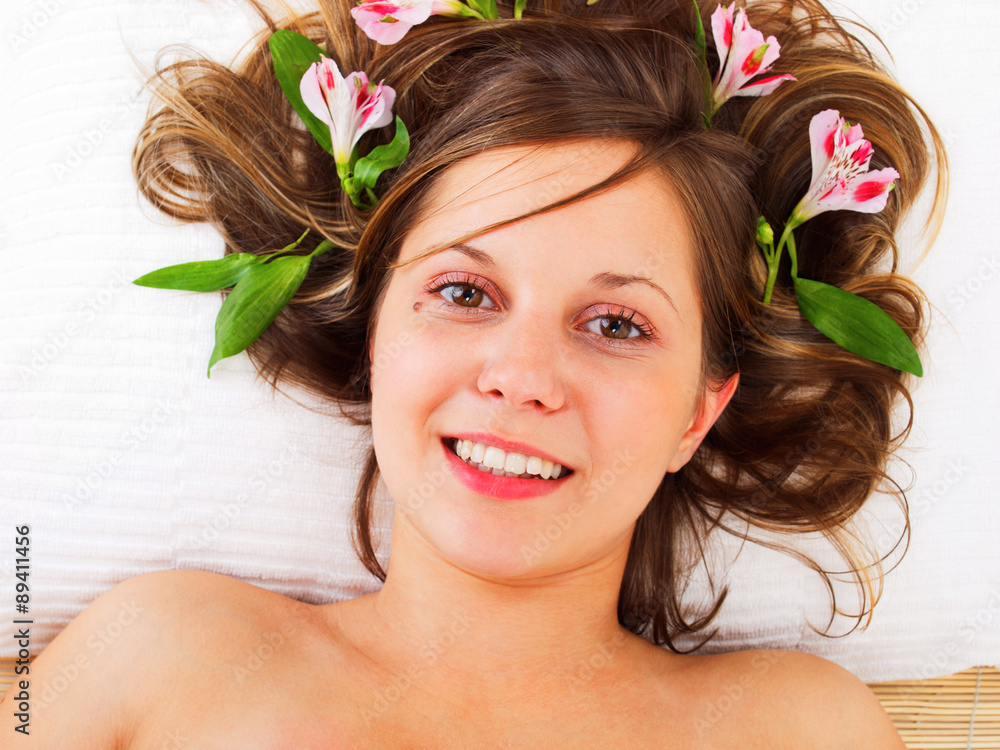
{"x":639,"y":226}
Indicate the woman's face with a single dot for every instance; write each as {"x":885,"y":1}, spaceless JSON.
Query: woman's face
{"x":572,"y":337}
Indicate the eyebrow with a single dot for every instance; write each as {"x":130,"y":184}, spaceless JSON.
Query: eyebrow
{"x":604,"y":280}
{"x":476,"y":254}
{"x":608,"y":280}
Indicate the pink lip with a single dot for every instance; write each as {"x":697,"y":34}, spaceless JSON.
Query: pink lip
{"x":508,"y":446}
{"x":500,"y":488}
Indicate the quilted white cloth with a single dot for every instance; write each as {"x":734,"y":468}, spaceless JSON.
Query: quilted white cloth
{"x":123,"y":458}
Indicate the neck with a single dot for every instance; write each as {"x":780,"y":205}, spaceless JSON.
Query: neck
{"x":438,"y":621}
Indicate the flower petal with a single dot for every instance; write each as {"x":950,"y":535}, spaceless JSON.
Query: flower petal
{"x":822,"y":130}
{"x":743,"y":55}
{"x":871,"y":192}
{"x":312,"y":93}
{"x":722,"y":31}
{"x":387,"y":23}
{"x":772,"y":54}
{"x":764,"y":86}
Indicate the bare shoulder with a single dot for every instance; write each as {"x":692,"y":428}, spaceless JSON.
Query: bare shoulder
{"x":792,"y":699}
{"x":104,"y":673}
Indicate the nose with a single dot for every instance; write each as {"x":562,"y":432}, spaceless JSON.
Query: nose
{"x":524,"y":366}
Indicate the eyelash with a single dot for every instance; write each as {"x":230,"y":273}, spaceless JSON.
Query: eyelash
{"x":468,"y":280}
{"x":628,"y":316}
{"x":646,"y":331}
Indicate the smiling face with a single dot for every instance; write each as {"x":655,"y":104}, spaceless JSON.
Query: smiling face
{"x":571,"y":338}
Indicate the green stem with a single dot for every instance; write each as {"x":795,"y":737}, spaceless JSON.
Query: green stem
{"x":793,"y":254}
{"x":775,"y":260}
{"x":321,"y":248}
{"x":469,"y":12}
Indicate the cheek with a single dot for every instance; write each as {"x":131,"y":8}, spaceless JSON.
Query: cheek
{"x":411,"y":375}
{"x":640,"y":424}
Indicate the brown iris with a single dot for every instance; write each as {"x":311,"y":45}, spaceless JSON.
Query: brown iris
{"x":615,"y":328}
{"x":466,"y":295}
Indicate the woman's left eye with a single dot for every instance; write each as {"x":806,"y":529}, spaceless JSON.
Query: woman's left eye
{"x":617,"y":327}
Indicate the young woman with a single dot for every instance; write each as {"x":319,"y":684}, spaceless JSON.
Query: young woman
{"x":553,"y":320}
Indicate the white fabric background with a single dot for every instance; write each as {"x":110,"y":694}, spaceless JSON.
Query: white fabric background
{"x":124,"y":458}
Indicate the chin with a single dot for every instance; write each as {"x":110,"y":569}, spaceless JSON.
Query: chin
{"x":489,"y":550}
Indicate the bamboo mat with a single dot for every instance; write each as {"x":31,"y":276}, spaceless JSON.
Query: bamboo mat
{"x":960,"y":712}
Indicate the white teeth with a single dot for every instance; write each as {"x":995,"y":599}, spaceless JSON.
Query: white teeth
{"x":494,"y":457}
{"x":494,"y":460}
{"x":515,"y":463}
{"x":476,"y":456}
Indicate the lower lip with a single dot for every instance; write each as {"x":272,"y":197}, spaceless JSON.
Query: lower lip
{"x":500,"y":488}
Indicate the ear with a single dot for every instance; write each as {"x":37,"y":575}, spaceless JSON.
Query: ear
{"x":713,"y":402}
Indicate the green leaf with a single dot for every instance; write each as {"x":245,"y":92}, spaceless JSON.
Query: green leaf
{"x":699,"y":36}
{"x":519,"y":8}
{"x":202,"y":275}
{"x":486,"y":8}
{"x":254,"y":304}
{"x":381,"y":158}
{"x":211,"y":275}
{"x":860,"y":326}
{"x":292,"y":55}
{"x":706,"y":76}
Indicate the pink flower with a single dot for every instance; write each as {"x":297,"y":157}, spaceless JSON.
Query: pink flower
{"x":840,"y":176}
{"x":350,"y":106}
{"x":387,"y":23}
{"x":743,"y":54}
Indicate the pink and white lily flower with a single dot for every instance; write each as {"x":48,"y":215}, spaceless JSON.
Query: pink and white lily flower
{"x":840,"y":176}
{"x":387,"y":23}
{"x":350,"y":106}
{"x":743,"y":54}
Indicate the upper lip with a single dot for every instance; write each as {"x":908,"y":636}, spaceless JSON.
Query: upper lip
{"x":509,"y":446}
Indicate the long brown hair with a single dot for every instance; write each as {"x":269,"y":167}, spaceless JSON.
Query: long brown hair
{"x":807,"y":437}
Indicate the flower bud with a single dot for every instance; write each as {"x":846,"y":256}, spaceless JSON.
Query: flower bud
{"x":765,"y":235}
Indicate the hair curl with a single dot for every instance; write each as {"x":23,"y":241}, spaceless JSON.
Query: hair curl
{"x":808,"y":435}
